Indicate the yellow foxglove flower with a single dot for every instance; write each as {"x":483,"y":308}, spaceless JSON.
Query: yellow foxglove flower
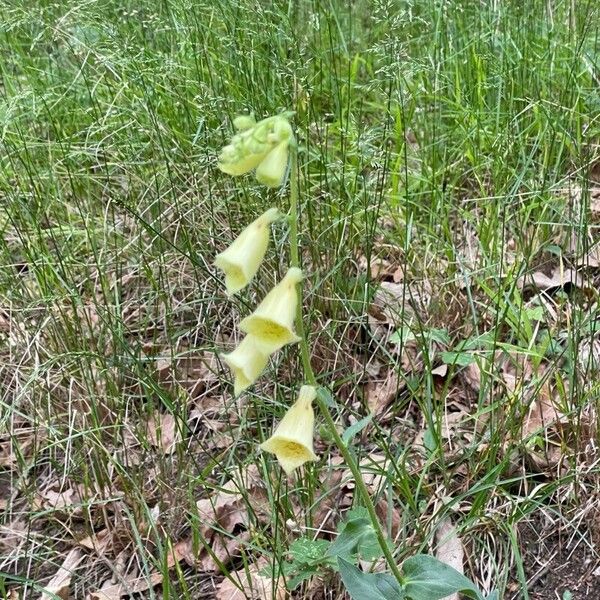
{"x":292,"y":441}
{"x":272,"y":322}
{"x":246,"y":362}
{"x":271,"y":171}
{"x":241,"y":260}
{"x":253,"y":143}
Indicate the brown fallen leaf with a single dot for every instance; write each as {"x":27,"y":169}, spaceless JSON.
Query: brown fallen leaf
{"x":60,"y":584}
{"x":249,"y":583}
{"x":106,"y":595}
{"x":543,"y":412}
{"x":581,"y":241}
{"x":133,"y":585}
{"x":163,"y":432}
{"x":449,"y":549}
{"x":13,"y":535}
{"x":373,"y":468}
{"x":559,"y":278}
{"x":223,"y":549}
{"x":588,"y":356}
{"x":4,"y":321}
{"x":98,"y":542}
{"x":222,"y":434}
{"x":20,"y":444}
{"x":50,"y":499}
{"x":400,"y":303}
{"x":228,"y":507}
{"x":595,"y":202}
{"x":468,"y":249}
{"x":380,"y":268}
{"x":590,"y":257}
{"x":472,"y":374}
{"x":332,"y":496}
{"x":388,"y":513}
{"x":545,"y":427}
{"x":224,"y":510}
{"x":379,"y":394}
{"x":195,"y":373}
{"x":576,"y":196}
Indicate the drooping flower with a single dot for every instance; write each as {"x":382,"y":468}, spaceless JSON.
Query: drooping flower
{"x":254,"y":144}
{"x":271,"y":171}
{"x":246,"y":362}
{"x":292,"y":441}
{"x":272,"y":322}
{"x":241,"y":260}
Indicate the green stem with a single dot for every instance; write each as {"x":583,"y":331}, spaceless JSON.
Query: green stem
{"x":312,"y":380}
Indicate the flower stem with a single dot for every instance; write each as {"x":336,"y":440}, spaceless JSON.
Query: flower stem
{"x":312,"y":380}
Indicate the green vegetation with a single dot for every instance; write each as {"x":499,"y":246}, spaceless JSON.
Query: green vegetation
{"x":450,"y":226}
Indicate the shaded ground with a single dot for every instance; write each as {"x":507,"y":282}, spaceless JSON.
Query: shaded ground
{"x":557,"y":562}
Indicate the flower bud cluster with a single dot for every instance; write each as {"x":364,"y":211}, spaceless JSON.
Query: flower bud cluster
{"x":263,"y":146}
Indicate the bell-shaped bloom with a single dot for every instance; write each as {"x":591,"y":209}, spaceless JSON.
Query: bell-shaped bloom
{"x":241,"y":260}
{"x":292,"y":441}
{"x":272,"y":322}
{"x":271,"y":171}
{"x":255,"y":143}
{"x":246,"y":362}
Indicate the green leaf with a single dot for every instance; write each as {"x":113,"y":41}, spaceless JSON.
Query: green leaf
{"x":402,"y":335}
{"x":300,"y":575}
{"x":326,"y":396}
{"x":357,"y":536}
{"x":429,"y":441}
{"x":438,"y":335}
{"x":462,"y":359}
{"x":308,"y":556}
{"x":369,"y":586}
{"x":356,"y":428}
{"x":535,"y":313}
{"x":307,"y":551}
{"x":427,"y":578}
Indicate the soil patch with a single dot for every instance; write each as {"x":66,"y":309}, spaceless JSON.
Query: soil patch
{"x":558,"y":561}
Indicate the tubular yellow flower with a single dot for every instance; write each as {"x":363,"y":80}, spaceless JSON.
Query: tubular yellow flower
{"x":241,"y":260}
{"x":246,"y":362}
{"x":272,"y":169}
{"x":272,"y":322}
{"x":254,"y":143}
{"x":292,"y":441}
